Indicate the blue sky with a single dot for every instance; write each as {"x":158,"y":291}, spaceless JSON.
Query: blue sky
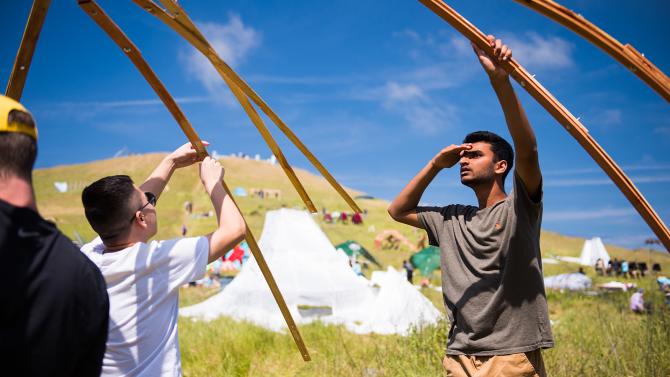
{"x":374,"y":88}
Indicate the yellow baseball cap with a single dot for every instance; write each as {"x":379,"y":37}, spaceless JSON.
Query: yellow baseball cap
{"x":6,"y":106}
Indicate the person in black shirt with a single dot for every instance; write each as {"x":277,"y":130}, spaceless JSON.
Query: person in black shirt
{"x":54,"y":309}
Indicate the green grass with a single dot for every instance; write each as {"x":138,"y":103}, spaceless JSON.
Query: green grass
{"x":595,"y":335}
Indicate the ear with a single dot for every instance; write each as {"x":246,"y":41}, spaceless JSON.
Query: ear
{"x":140,"y":219}
{"x":500,"y":167}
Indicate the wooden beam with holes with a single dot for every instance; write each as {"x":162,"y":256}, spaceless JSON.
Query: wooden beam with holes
{"x":624,"y":54}
{"x":17,"y":78}
{"x":562,"y":115}
{"x":179,"y":21}
{"x":132,"y":52}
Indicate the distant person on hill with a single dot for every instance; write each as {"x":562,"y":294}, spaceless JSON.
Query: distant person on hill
{"x":600,"y":267}
{"x":634,"y":270}
{"x":491,"y":264}
{"x":624,"y":269}
{"x":409,"y":270}
{"x":143,"y":277}
{"x":637,"y":304}
{"x":53,"y":300}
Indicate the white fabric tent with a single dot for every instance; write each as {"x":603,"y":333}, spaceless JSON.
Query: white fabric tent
{"x":314,"y":278}
{"x":573,"y":281}
{"x":397,"y":306}
{"x":592,"y":250}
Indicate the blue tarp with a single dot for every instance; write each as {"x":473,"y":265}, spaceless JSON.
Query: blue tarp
{"x":240,"y":191}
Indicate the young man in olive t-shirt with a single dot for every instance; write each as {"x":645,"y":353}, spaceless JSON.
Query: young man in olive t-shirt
{"x":491,"y":265}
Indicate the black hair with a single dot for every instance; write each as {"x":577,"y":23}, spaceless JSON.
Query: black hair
{"x":502,"y":150}
{"x":18,"y":151}
{"x":107,"y":205}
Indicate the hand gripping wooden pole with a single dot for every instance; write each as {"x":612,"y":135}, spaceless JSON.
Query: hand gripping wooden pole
{"x":132,"y":52}
{"x":624,"y":54}
{"x":17,"y":79}
{"x":562,"y":115}
{"x":182,"y":24}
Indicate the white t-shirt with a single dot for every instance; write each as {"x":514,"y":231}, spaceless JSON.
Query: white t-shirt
{"x":143,"y":285}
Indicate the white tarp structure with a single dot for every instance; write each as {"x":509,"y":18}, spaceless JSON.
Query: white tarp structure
{"x":593,"y":250}
{"x":317,"y":283}
{"x":574,"y":282}
{"x":397,"y":306}
{"x":61,"y":186}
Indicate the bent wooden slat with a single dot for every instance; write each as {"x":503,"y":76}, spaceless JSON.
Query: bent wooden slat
{"x":186,"y":28}
{"x":181,"y":20}
{"x":17,"y":78}
{"x":116,"y":34}
{"x":562,"y":115}
{"x":624,"y":54}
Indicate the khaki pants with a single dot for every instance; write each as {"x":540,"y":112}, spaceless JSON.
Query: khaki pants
{"x":528,"y":364}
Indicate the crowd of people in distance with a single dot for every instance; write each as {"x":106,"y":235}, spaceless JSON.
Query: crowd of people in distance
{"x":343,"y":217}
{"x":624,"y":268}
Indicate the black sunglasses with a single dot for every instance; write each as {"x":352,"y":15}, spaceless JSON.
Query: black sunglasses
{"x":151,"y":199}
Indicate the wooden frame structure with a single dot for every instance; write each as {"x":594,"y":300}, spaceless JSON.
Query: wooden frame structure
{"x":177,"y":19}
{"x":132,"y":52}
{"x":562,"y":115}
{"x":624,"y":54}
{"x":174,"y":16}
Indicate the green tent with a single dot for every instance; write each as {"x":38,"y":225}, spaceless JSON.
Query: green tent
{"x":426,"y":260}
{"x":353,"y":247}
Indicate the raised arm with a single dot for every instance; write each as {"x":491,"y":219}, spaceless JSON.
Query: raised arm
{"x":181,"y":157}
{"x":231,"y":227}
{"x":525,"y":145}
{"x":403,"y":207}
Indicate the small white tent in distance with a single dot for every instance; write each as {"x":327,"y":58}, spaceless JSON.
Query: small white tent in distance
{"x":593,"y":250}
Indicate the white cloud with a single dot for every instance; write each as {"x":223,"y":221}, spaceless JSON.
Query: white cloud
{"x":604,"y":181}
{"x":538,"y":52}
{"x":663,"y":131}
{"x":610,"y":117}
{"x":642,"y":166}
{"x":400,"y":92}
{"x":233,"y":41}
{"x":420,"y":111}
{"x":585,"y":214}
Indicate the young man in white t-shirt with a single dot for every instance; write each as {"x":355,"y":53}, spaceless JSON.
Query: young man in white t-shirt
{"x":143,"y":278}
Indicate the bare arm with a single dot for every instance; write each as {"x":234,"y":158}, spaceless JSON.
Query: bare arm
{"x":231,"y":226}
{"x":525,"y":144}
{"x":181,"y":157}
{"x":403,"y":207}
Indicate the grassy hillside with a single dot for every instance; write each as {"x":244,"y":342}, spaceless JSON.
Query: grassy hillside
{"x":66,"y":210}
{"x":595,"y":335}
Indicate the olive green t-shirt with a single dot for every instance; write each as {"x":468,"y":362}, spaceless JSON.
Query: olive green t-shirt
{"x":492,"y":274}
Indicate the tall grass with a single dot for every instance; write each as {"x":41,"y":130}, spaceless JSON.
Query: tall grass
{"x":594,"y":336}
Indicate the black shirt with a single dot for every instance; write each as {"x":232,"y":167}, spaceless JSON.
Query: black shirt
{"x":54,"y":308}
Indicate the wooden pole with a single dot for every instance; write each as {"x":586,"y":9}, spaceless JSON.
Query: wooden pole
{"x":624,"y":54}
{"x":562,"y":115}
{"x":132,"y":52}
{"x":182,"y":24}
{"x":17,"y":79}
{"x":182,"y":21}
